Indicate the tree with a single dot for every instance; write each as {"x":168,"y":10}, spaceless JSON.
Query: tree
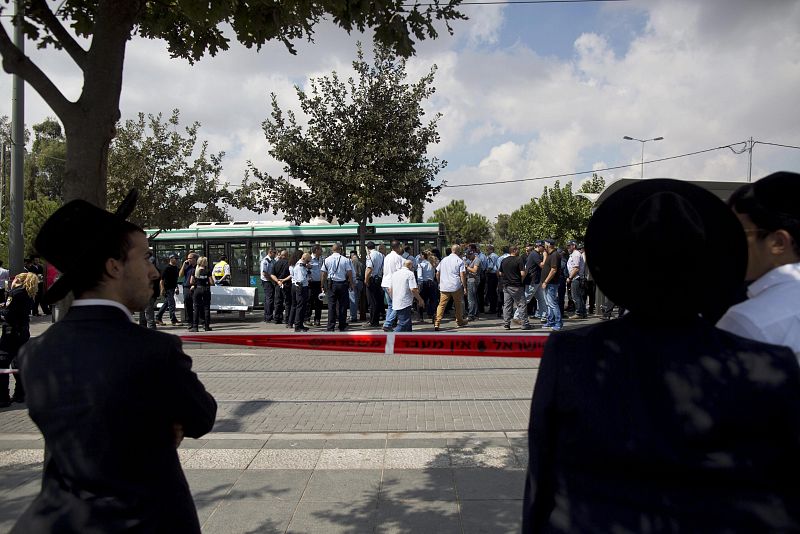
{"x":461,"y":226}
{"x":558,"y":214}
{"x":191,"y":29}
{"x":44,"y":164}
{"x":501,"y":236}
{"x":37,"y":212}
{"x":178,"y":184}
{"x":363,"y":154}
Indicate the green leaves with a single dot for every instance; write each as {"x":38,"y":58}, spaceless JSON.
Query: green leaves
{"x":461,"y":226}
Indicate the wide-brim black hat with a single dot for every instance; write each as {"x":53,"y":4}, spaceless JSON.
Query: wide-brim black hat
{"x":68,"y":238}
{"x":666,"y":247}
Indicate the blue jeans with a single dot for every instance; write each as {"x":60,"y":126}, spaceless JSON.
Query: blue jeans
{"x":403,"y":320}
{"x":391,"y":314}
{"x":553,"y":309}
{"x":355,"y":298}
{"x":472,"y":297}
{"x":578,"y":297}
{"x":530,"y":292}
{"x":169,"y":303}
{"x":541,"y":302}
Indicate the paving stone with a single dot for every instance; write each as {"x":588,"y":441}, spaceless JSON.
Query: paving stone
{"x":220,"y":458}
{"x":489,"y":457}
{"x":236,"y":517}
{"x":419,"y":517}
{"x":21,"y":458}
{"x":334,"y":518}
{"x":416,"y":443}
{"x":491,"y":517}
{"x":295,"y":444}
{"x":489,"y":484}
{"x":343,"y":486}
{"x":474,"y":442}
{"x":355,"y":443}
{"x":286,"y":459}
{"x":234,"y":444}
{"x":205,"y":509}
{"x":6,"y":445}
{"x":351,"y":459}
{"x":418,"y":484}
{"x":285,"y":485}
{"x":190,"y":443}
{"x":211,"y":484}
{"x":417,"y":458}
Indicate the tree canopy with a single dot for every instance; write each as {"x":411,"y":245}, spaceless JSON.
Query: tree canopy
{"x":363,"y":154}
{"x":461,"y":226}
{"x":191,"y":29}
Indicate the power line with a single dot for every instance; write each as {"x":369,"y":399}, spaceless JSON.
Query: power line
{"x":570,"y":174}
{"x":775,"y":144}
{"x":507,"y":2}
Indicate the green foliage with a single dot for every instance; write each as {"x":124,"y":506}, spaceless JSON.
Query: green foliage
{"x":595,"y":184}
{"x":558,"y":214}
{"x":178,"y":183}
{"x":45,"y":163}
{"x":363,"y":153}
{"x":36,"y":212}
{"x":461,"y":226}
{"x":192,"y":29}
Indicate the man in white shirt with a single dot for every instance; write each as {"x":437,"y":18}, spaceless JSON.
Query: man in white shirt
{"x":576,"y":269}
{"x":770,"y":214}
{"x":373,"y":276}
{"x":267,"y":284}
{"x":339,"y":271}
{"x":403,"y":290}
{"x":4,"y":276}
{"x":392,"y":263}
{"x":451,"y":274}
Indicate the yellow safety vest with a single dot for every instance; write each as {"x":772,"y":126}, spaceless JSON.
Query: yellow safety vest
{"x":219,"y":270}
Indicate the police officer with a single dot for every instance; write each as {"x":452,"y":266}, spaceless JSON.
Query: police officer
{"x":337,"y":273}
{"x":187,"y":270}
{"x":373,"y":276}
{"x":315,"y":284}
{"x":267,"y":284}
{"x":222,"y":272}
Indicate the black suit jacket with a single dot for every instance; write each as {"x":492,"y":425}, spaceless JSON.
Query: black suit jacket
{"x":638,"y":426}
{"x":105,"y":394}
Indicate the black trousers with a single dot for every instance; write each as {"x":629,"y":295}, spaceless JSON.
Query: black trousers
{"x":301,"y":296}
{"x":282,"y":296}
{"x":314,"y":304}
{"x":491,"y":291}
{"x":481,"y":293}
{"x":202,"y":306}
{"x":290,"y":307}
{"x":375,"y":300}
{"x":188,"y":305}
{"x":338,"y":303}
{"x":269,"y":299}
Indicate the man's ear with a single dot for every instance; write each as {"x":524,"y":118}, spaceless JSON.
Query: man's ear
{"x":113,"y":268}
{"x":781,"y":242}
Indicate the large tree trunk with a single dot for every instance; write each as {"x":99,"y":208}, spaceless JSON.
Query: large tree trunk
{"x":362,"y":238}
{"x":87,"y":160}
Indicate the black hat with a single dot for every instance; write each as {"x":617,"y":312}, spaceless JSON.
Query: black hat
{"x":663,"y":215}
{"x":539,"y":243}
{"x":572,"y":242}
{"x":550,"y":242}
{"x":370,"y":244}
{"x":69,"y":238}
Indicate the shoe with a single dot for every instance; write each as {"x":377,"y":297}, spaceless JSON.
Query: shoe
{"x":526,"y":327}
{"x":175,"y":323}
{"x":207,"y":329}
{"x":287,"y":325}
{"x":583,"y":316}
{"x":190,"y":327}
{"x":317,"y":323}
{"x":555,"y":328}
{"x":387,"y":329}
{"x":193,"y":329}
{"x":303,"y":329}
{"x":435,"y":328}
{"x":160,"y":323}
{"x":278,"y":321}
{"x":507,"y":326}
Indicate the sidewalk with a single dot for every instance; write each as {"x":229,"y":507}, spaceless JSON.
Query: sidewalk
{"x":327,"y":483}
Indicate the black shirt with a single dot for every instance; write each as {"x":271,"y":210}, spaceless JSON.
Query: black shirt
{"x":170,"y":277}
{"x":188,"y":271}
{"x":280,"y":269}
{"x":553,"y":261}
{"x":510,"y":268}
{"x":532,"y":266}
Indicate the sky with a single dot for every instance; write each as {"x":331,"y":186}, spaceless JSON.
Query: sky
{"x":525,"y":91}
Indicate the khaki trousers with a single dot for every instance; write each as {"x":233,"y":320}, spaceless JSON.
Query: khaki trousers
{"x":458,"y":304}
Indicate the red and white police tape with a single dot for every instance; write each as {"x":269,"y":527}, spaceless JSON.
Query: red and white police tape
{"x":433,"y":344}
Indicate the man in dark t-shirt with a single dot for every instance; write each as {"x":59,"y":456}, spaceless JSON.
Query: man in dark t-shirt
{"x":280,"y":274}
{"x":551,"y":275}
{"x":169,"y":285}
{"x":512,"y":272}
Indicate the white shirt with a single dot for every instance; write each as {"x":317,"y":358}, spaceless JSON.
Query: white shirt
{"x":101,"y":302}
{"x":266,"y":267}
{"x":425,"y":270}
{"x":300,"y":274}
{"x":403,"y":281}
{"x":375,"y":260}
{"x":392,"y":263}
{"x":575,"y":260}
{"x":450,"y":270}
{"x":337,"y":267}
{"x":772,"y":311}
{"x":4,"y":276}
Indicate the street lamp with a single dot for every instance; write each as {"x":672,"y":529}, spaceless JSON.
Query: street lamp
{"x":643,"y":141}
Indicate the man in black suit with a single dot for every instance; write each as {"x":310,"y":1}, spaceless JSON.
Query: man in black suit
{"x":112,"y":399}
{"x":661,"y":422}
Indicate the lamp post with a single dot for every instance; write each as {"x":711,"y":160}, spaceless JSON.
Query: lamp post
{"x":643,"y":141}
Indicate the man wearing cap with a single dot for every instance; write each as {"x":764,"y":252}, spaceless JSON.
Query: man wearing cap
{"x":339,"y":271}
{"x":315,"y":285}
{"x":222,"y":272}
{"x":551,"y":276}
{"x":168,"y":289}
{"x":576,"y":270}
{"x":769,"y":211}
{"x":513,"y":273}
{"x":660,"y":422}
{"x":112,"y":400}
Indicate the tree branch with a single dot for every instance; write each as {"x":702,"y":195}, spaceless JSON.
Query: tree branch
{"x":15,"y":62}
{"x":40,"y":11}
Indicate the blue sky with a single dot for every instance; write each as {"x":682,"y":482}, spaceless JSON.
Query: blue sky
{"x":525,"y":91}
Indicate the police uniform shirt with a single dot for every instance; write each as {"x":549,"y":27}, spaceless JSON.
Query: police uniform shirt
{"x":575,"y":260}
{"x":392,"y":263}
{"x":493,"y":263}
{"x":266,"y":267}
{"x":337,"y":267}
{"x":425,"y":271}
{"x":300,"y":274}
{"x":375,"y":261}
{"x":484,"y":262}
{"x":316,"y":268}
